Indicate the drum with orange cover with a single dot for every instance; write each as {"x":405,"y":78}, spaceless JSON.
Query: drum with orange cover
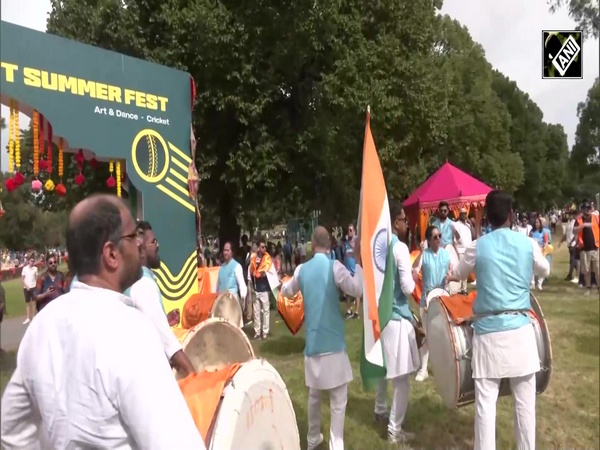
{"x":197,"y":309}
{"x":450,"y":335}
{"x":291,"y":309}
{"x":236,"y":401}
{"x":227,"y":306}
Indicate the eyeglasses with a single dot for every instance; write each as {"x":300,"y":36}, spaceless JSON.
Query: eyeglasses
{"x":135,"y":235}
{"x":51,"y":263}
{"x":436,"y":237}
{"x":443,"y":211}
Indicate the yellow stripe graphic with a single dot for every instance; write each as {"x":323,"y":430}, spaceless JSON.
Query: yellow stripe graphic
{"x":182,"y":155}
{"x":178,"y":176}
{"x":164,"y":269}
{"x":175,"y":197}
{"x":177,"y":186}
{"x":174,"y":286}
{"x":179,"y":164}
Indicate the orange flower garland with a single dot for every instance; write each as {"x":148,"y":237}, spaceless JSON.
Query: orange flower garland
{"x":17,"y":137}
{"x":36,"y":143}
{"x":11,"y":140}
{"x":118,"y":176}
{"x":61,"y":165}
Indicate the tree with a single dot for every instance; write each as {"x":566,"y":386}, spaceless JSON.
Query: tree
{"x":585,"y":12}
{"x":283,"y":88}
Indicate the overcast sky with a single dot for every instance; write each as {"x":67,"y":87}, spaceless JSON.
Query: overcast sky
{"x":508,"y":30}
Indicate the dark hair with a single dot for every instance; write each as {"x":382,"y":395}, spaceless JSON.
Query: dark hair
{"x":498,"y":205}
{"x":396,"y":209}
{"x":86,"y":235}
{"x":230,"y":244}
{"x":52,"y":255}
{"x":429,"y":231}
{"x":442,"y":204}
{"x":143,"y":226}
{"x":261,"y":240}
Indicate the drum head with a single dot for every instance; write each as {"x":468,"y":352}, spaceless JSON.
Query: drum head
{"x":256,"y":412}
{"x":215,"y":343}
{"x":442,"y":353}
{"x":437,"y":292}
{"x":227,"y":306}
{"x":544,"y":345}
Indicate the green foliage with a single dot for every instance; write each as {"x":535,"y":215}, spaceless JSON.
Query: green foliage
{"x":586,"y":13}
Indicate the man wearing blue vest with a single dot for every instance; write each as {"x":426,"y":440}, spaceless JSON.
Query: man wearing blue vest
{"x":231,"y":275}
{"x":326,"y":363}
{"x":504,"y":344}
{"x":146,"y":297}
{"x":398,"y":337}
{"x":445,"y":225}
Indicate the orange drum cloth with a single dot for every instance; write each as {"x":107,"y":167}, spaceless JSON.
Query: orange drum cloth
{"x":197,"y":309}
{"x":291,"y":309}
{"x":418,"y":292}
{"x":202,"y":392}
{"x":460,"y":307}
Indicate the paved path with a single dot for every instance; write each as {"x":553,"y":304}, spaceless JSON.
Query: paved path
{"x":12,"y":333}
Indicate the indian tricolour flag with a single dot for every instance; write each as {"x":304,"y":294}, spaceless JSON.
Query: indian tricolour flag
{"x":375,"y":232}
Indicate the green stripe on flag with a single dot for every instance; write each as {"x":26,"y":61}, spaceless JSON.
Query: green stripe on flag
{"x":372,"y":374}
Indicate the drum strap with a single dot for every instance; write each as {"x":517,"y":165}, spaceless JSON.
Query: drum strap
{"x":497,"y":313}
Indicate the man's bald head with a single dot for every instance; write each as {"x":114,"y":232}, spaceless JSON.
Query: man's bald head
{"x":321,"y":239}
{"x":93,"y":222}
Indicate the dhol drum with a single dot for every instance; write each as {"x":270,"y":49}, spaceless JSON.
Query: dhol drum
{"x":255,"y":413}
{"x":453,"y":287}
{"x":215,"y":343}
{"x":450,"y":346}
{"x":437,"y":292}
{"x":236,"y":401}
{"x":227,"y":306}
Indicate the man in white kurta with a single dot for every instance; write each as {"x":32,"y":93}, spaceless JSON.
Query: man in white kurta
{"x":91,"y":371}
{"x":398,"y":337}
{"x":326,"y":363}
{"x":504,"y":344}
{"x":146,"y":297}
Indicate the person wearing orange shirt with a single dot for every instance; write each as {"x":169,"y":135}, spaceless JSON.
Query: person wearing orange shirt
{"x":587,"y":230}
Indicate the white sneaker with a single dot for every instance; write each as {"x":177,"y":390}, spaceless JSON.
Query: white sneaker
{"x":400,"y":437}
{"x":422,"y":375}
{"x":316,"y":444}
{"x":539,"y":286}
{"x":575,"y":280}
{"x":26,"y":321}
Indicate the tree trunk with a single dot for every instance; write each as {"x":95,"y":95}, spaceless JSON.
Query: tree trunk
{"x":229,"y":230}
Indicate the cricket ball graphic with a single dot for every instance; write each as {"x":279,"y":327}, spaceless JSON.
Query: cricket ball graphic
{"x":150,"y":156}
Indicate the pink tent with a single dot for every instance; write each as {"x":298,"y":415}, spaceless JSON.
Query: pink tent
{"x":449,"y":184}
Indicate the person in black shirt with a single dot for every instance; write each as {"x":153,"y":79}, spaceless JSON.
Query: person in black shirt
{"x":587,"y":230}
{"x":50,"y":285}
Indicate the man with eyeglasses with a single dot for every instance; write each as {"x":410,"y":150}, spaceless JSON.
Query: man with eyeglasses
{"x":91,"y":371}
{"x":445,"y":225}
{"x":264,"y":280}
{"x":50,"y":285}
{"x":145,"y":296}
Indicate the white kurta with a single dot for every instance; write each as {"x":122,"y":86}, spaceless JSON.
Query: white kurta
{"x":505,"y":352}
{"x":92,"y":373}
{"x":330,"y":370}
{"x":145,"y":297}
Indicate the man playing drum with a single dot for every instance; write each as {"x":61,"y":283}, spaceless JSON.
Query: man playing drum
{"x":326,"y":363}
{"x":504,"y":344}
{"x":434,"y":261}
{"x":231,"y":274}
{"x":398,"y":337}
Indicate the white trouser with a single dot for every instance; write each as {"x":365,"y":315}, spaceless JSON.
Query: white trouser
{"x":338,"y":398}
{"x":486,"y":395}
{"x":399,"y":402}
{"x":424,"y":350}
{"x":463,"y":283}
{"x":260,"y":305}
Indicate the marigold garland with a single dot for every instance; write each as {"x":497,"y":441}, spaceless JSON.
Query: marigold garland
{"x":49,"y":154}
{"x":118,"y":175}
{"x":36,"y":143}
{"x":11,"y":141}
{"x":61,"y":158}
{"x":17,"y":137}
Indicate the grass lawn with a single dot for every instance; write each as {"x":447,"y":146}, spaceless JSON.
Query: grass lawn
{"x":567,"y":413}
{"x":15,"y":302}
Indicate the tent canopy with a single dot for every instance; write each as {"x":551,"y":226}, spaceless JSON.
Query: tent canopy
{"x":449,"y":184}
